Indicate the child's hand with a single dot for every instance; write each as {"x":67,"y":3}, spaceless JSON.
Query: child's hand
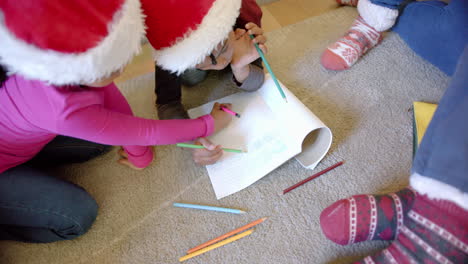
{"x":124,"y":160}
{"x":221,"y":118}
{"x":209,"y":155}
{"x":244,"y":48}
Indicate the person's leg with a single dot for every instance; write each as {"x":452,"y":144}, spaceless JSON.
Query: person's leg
{"x":366,"y":217}
{"x":392,"y":4}
{"x":440,"y":167}
{"x":365,"y":33}
{"x":435,"y":31}
{"x":348,"y":2}
{"x":435,"y":229}
{"x":62,"y":150}
{"x":167,"y":86}
{"x":36,"y":207}
{"x":192,"y":77}
{"x":169,"y":95}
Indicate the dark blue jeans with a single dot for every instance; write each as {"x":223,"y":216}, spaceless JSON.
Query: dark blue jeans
{"x":393,"y":4}
{"x":428,"y":26}
{"x":435,"y":31}
{"x":37,"y":207}
{"x":443,"y":153}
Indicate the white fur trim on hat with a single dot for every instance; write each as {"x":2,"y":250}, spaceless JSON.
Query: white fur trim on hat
{"x":197,"y":44}
{"x":379,"y":17}
{"x":59,"y":68}
{"x":435,"y":189}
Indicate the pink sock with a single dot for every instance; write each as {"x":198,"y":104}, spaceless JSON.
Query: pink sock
{"x":347,"y":50}
{"x":347,"y":2}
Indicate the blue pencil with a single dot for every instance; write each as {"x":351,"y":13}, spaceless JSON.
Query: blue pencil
{"x":210,"y":208}
{"x":267,"y":65}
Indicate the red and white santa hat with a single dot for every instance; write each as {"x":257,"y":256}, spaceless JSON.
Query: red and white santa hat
{"x":69,"y":42}
{"x":185,"y":31}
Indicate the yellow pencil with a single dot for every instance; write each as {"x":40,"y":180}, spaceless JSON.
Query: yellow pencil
{"x":228,"y":234}
{"x":217,"y":245}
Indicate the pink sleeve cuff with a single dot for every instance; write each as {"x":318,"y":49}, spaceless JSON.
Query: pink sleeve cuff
{"x":209,"y":122}
{"x":142,"y":160}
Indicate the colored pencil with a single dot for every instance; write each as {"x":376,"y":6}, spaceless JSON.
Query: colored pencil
{"x":185,"y":145}
{"x":230,"y":111}
{"x":267,"y":65}
{"x":209,"y":208}
{"x":228,"y":234}
{"x":217,"y":245}
{"x":312,"y":177}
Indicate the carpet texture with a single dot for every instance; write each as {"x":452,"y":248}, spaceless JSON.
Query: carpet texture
{"x":367,"y":109}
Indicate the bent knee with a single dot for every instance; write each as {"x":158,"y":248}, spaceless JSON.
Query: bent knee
{"x":80,"y":220}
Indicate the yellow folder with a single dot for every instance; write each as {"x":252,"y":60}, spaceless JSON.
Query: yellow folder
{"x":423,"y":113}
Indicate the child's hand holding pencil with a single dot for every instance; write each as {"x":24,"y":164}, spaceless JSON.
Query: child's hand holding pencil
{"x":211,"y":153}
{"x":208,"y":155}
{"x":221,"y":118}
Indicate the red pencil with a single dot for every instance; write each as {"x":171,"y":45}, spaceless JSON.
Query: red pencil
{"x":312,"y":177}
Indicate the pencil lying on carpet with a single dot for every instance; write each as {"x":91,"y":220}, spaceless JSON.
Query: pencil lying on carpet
{"x":228,"y":234}
{"x":217,"y":245}
{"x":312,"y":177}
{"x":209,"y":208}
{"x":186,"y":145}
{"x":267,"y":65}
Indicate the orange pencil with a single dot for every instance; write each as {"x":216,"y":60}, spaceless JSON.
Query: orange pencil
{"x":233,"y":232}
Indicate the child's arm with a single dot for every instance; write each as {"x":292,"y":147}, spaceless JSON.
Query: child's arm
{"x":136,"y":157}
{"x":255,"y":77}
{"x":108,"y":119}
{"x":246,"y":64}
{"x":98,"y":124}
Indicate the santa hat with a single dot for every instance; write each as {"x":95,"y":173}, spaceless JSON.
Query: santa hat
{"x":185,"y":31}
{"x":69,"y":42}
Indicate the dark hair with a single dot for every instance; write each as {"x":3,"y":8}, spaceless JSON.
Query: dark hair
{"x":3,"y":75}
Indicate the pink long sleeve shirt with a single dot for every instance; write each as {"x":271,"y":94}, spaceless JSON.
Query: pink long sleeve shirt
{"x":32,"y":113}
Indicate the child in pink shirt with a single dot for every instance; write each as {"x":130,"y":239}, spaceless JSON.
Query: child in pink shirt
{"x":58,"y":104}
{"x":33,"y":113}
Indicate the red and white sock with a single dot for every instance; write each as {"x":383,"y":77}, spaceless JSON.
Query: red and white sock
{"x":366,"y":217}
{"x":434,"y":231}
{"x":347,"y":50}
{"x":348,"y":2}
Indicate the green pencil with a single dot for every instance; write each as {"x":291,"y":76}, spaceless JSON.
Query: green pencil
{"x":267,"y":65}
{"x":185,"y":145}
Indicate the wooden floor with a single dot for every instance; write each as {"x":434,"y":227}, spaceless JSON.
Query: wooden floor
{"x":275,"y":15}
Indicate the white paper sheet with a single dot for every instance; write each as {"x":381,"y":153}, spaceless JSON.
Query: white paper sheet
{"x":271,"y":130}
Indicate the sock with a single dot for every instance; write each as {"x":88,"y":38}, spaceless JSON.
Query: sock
{"x":434,"y":231}
{"x":366,"y":217}
{"x":379,"y":17}
{"x":347,"y":50}
{"x":347,"y":2}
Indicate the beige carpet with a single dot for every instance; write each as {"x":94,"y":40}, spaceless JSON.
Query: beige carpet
{"x":367,"y":109}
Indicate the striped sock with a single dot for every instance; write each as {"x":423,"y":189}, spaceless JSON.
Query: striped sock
{"x":366,"y":217}
{"x":347,"y":2}
{"x":434,"y":231}
{"x":347,"y":50}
